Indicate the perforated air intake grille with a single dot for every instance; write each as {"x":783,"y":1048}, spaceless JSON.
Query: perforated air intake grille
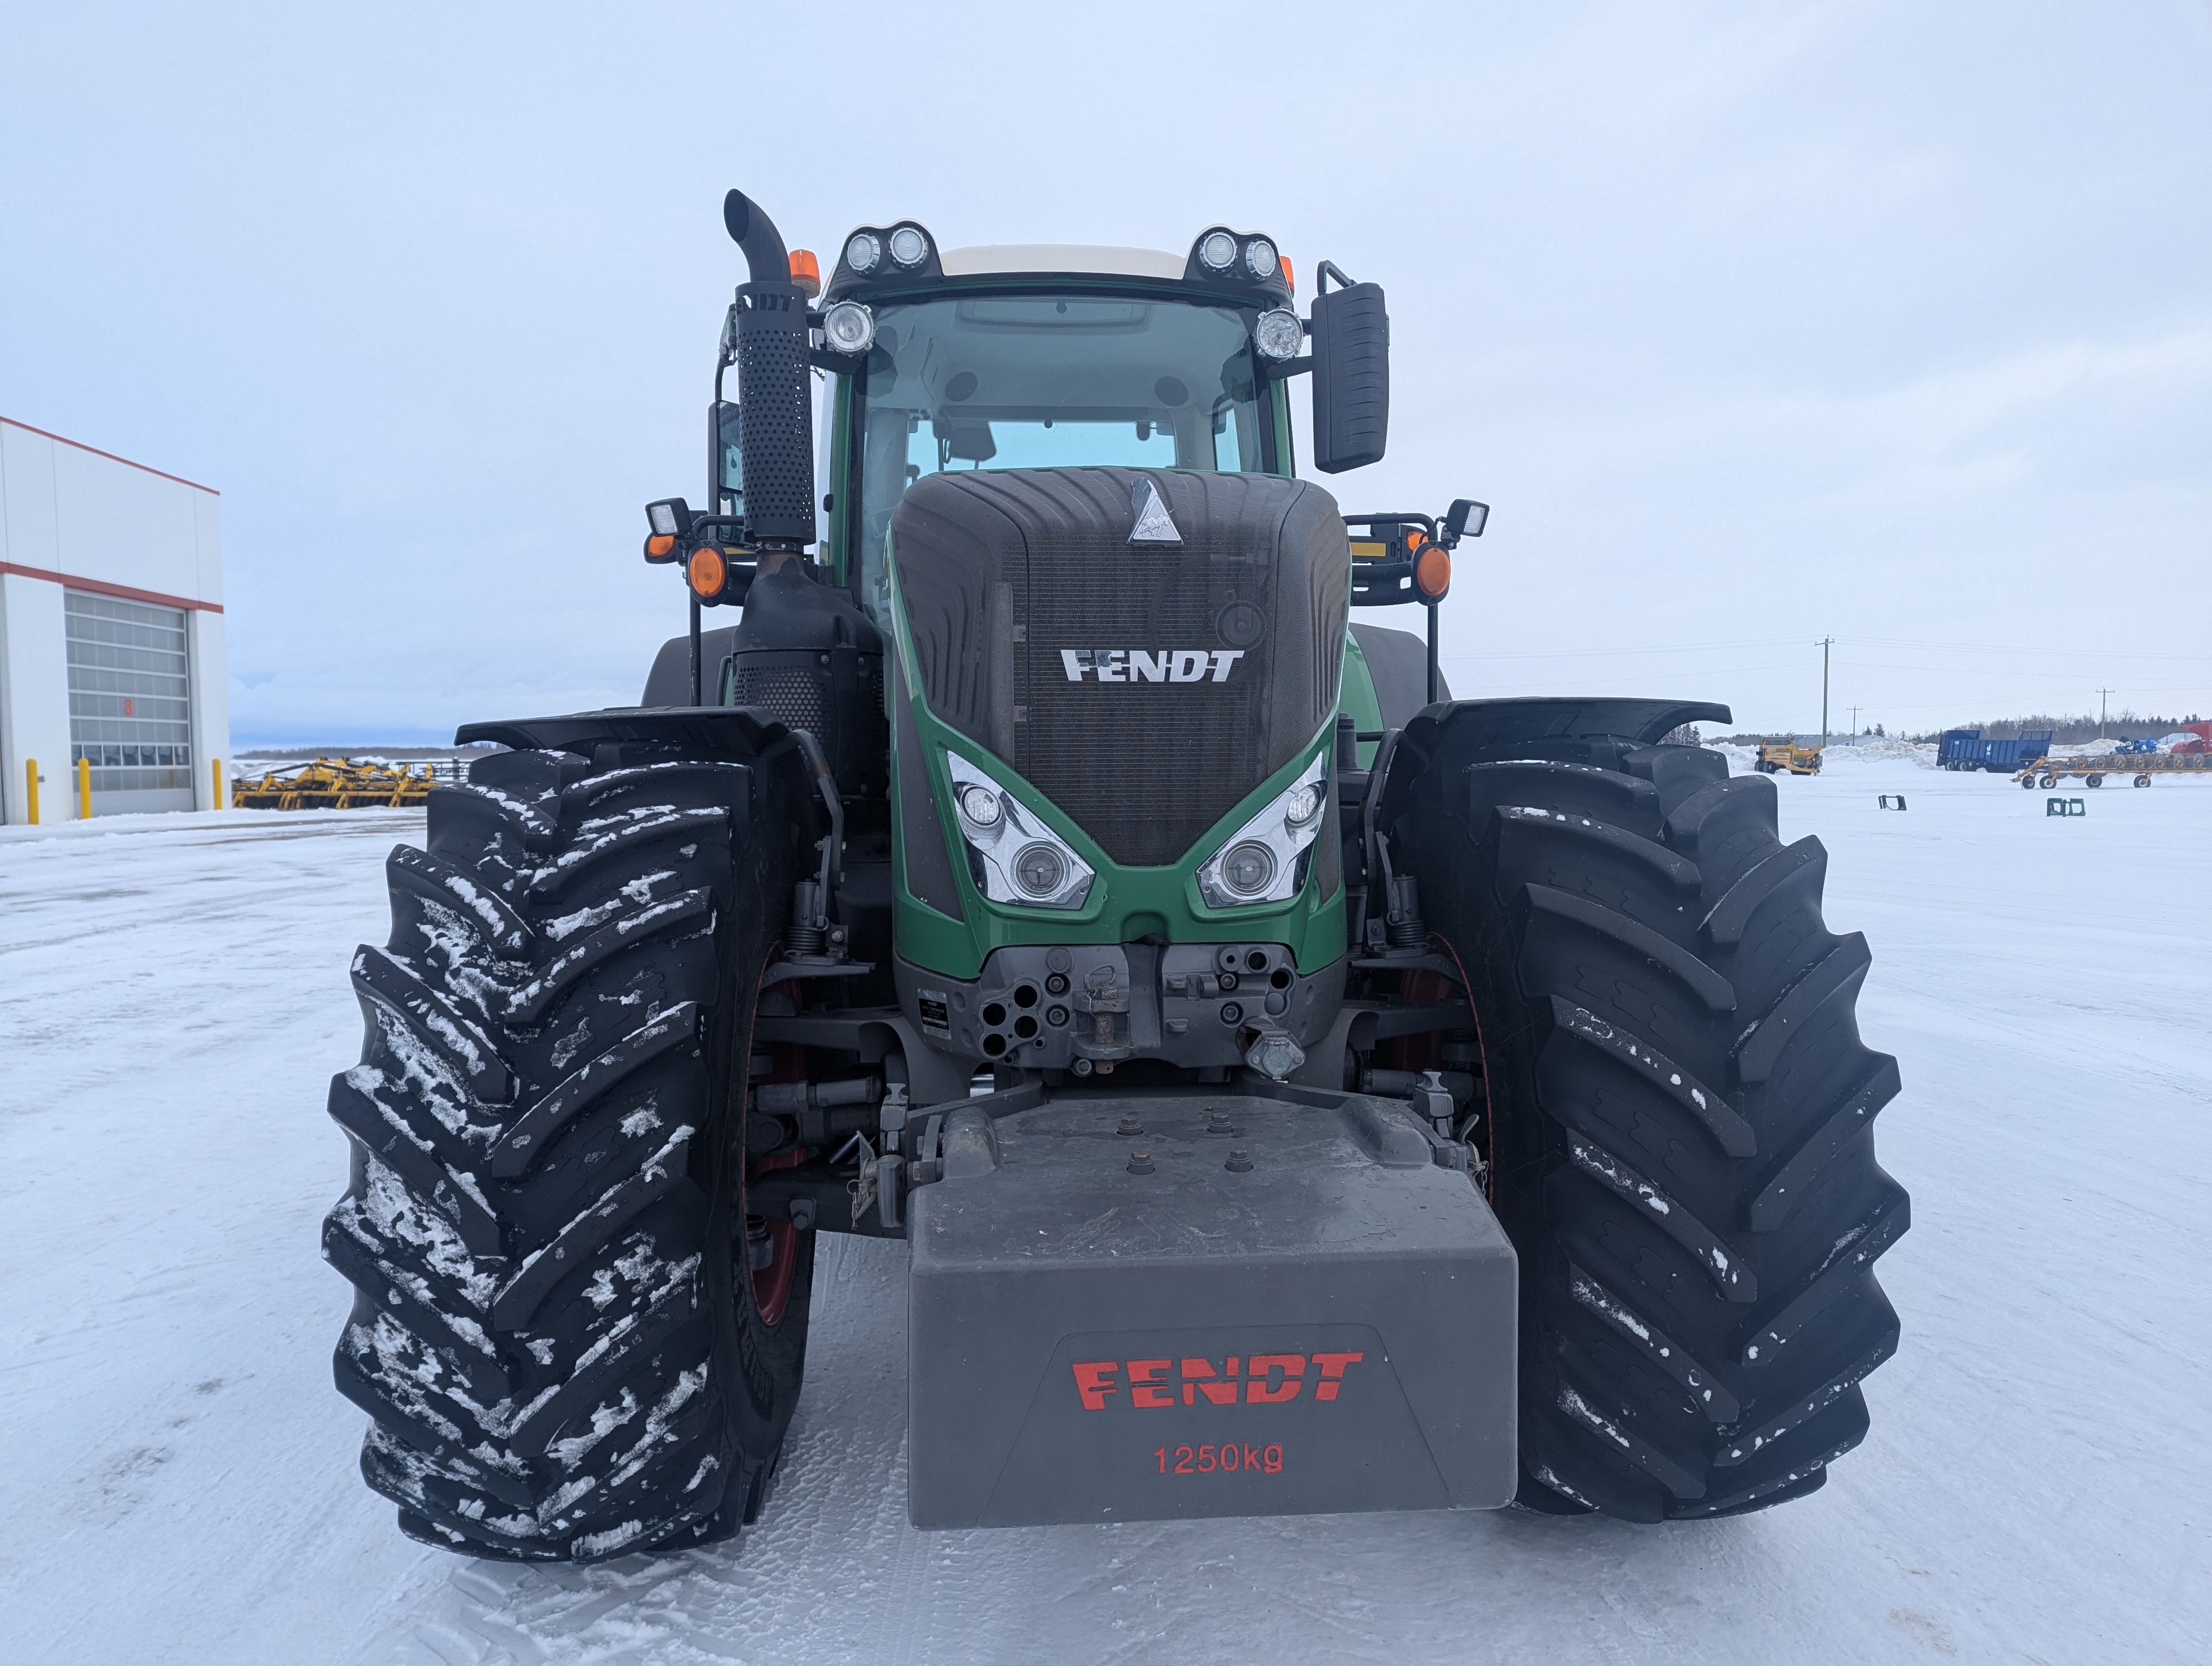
{"x":777,"y":413}
{"x":793,"y":694}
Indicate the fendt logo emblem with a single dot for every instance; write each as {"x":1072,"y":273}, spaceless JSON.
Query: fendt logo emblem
{"x":1264,"y":1379}
{"x":1137,"y":665}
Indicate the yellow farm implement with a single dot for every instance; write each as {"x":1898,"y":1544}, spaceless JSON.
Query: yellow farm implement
{"x":336,"y":783}
{"x":1790,"y":759}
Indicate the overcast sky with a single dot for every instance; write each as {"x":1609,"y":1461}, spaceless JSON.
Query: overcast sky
{"x":1891,"y":323}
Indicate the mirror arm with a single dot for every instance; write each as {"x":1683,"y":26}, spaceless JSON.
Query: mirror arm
{"x":1282,"y":370}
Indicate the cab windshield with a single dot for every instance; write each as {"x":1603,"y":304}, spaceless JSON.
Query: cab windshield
{"x":1044,"y":381}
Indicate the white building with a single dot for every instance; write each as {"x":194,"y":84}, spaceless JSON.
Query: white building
{"x":111,"y":632}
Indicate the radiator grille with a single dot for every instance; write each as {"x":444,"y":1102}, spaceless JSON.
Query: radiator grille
{"x":1144,"y":767}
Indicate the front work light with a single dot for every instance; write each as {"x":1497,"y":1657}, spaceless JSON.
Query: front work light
{"x":1218,"y":251}
{"x":668,"y":519}
{"x":1278,"y":335}
{"x":862,"y":250}
{"x":1265,"y":859}
{"x":1465,"y":518}
{"x":849,"y":328}
{"x":1259,"y":258}
{"x":1012,"y":856}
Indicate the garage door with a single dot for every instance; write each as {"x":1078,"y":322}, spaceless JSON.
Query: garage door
{"x":129,"y":703}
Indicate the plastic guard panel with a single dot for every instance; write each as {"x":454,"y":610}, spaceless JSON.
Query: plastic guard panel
{"x":1333,"y":1330}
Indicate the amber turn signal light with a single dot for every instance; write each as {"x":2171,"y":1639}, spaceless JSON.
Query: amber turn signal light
{"x":706,"y":572}
{"x":661,"y":546}
{"x":1432,"y":572}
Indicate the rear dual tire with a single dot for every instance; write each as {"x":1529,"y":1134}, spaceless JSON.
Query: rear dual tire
{"x":1683,"y":1151}
{"x":557,"y":1333}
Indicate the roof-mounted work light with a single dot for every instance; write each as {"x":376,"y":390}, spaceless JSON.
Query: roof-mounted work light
{"x":910,"y":246}
{"x":1224,"y":257}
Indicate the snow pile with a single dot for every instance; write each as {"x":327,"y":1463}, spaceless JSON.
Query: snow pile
{"x":1743,"y":757}
{"x":1879,"y":749}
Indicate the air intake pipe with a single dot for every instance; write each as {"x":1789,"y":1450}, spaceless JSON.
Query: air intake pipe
{"x":776,"y":412}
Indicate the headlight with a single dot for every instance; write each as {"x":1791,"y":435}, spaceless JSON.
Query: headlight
{"x":1248,"y":868}
{"x":1013,"y":857}
{"x":862,"y":250}
{"x":1278,"y":335}
{"x":1264,"y":861}
{"x":1217,"y":249}
{"x":979,"y":805}
{"x":909,"y":246}
{"x":1259,"y":258}
{"x":1039,"y":870}
{"x":849,"y":327}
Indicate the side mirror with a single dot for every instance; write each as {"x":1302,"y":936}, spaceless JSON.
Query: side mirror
{"x":1465,"y":518}
{"x":1351,"y":374}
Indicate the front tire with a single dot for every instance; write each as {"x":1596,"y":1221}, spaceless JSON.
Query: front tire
{"x":1683,"y":1153}
{"x":554,"y":1331}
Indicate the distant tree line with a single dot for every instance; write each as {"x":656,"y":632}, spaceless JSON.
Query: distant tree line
{"x":2074,"y":731}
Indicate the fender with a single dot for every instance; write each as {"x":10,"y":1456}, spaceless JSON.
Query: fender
{"x":1451,"y":735}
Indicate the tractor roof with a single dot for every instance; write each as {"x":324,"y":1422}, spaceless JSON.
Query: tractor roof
{"x":1062,"y":258}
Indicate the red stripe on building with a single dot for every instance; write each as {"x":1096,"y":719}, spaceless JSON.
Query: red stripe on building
{"x":122,"y":592}
{"x":80,"y":445}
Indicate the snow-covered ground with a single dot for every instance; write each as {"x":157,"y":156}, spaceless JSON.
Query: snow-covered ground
{"x":178,"y":1473}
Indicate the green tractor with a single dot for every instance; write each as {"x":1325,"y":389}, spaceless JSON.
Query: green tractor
{"x":1298,"y":1090}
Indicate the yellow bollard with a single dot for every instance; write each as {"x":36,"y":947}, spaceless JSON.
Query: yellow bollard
{"x":31,"y":788}
{"x":83,"y":790}
{"x":214,"y":768}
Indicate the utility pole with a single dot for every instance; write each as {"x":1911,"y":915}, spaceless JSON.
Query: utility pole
{"x":1855,"y":726}
{"x":1825,"y":642}
{"x":2102,"y":694}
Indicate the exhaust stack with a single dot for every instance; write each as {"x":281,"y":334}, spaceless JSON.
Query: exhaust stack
{"x":775,"y":420}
